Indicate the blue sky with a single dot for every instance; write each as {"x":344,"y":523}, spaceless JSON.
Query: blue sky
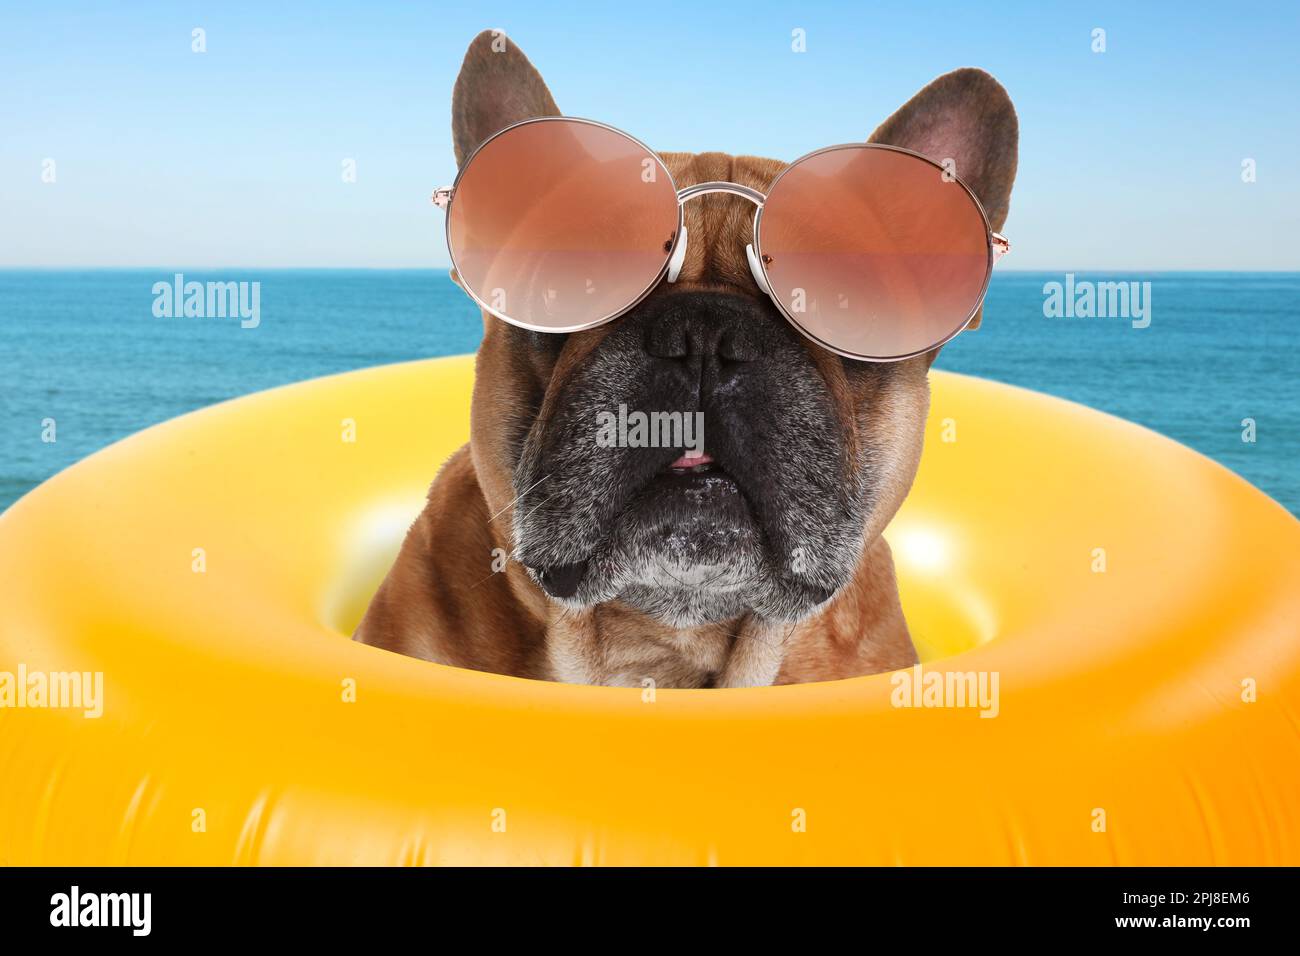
{"x":1129,"y":159}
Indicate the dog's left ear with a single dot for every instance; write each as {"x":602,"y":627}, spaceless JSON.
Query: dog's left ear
{"x":965,"y":116}
{"x":497,"y":86}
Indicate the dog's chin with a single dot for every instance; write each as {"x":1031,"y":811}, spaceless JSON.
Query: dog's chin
{"x":689,"y":551}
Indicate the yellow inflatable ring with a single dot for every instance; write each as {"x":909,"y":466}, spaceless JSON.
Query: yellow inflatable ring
{"x":1138,"y":602}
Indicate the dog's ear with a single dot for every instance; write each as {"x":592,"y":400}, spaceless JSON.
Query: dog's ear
{"x":497,"y":86}
{"x":965,"y":116}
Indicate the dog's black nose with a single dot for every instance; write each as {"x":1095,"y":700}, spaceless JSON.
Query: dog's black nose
{"x":561,"y":580}
{"x":705,"y":325}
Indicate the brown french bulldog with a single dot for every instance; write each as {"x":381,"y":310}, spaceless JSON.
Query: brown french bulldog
{"x":766,"y":566}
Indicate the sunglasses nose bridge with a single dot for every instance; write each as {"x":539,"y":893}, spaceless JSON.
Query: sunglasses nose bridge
{"x":735,"y":189}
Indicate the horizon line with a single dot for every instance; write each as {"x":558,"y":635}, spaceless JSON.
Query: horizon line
{"x":305,"y":268}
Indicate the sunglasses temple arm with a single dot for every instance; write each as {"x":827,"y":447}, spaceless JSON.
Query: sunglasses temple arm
{"x":1001,"y":245}
{"x":442,"y":199}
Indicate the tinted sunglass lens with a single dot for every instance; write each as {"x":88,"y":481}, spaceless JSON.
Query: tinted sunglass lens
{"x":874,"y":252}
{"x":560,"y":224}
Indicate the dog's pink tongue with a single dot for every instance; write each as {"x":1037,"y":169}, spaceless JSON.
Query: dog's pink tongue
{"x":691,"y":461}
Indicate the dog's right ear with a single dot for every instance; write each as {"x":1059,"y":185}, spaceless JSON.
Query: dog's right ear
{"x":497,"y":86}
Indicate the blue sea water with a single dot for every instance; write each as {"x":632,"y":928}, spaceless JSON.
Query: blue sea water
{"x":85,"y":349}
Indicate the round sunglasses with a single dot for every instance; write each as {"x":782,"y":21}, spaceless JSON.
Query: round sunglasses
{"x":874,"y":252}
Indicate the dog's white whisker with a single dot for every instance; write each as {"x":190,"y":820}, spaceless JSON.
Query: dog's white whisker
{"x":517,"y":497}
{"x":536,"y":506}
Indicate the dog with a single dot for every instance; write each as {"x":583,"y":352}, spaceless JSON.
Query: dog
{"x":537,"y":557}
